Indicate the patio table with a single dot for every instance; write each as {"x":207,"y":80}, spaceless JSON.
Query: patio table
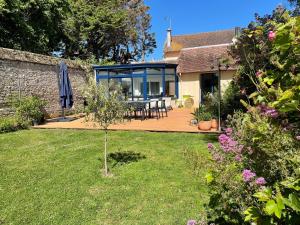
{"x":136,"y":105}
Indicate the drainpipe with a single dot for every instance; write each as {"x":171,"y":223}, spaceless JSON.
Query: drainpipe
{"x":219,"y":90}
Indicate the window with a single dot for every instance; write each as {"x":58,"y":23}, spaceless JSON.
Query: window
{"x":126,"y":85}
{"x":102,"y":72}
{"x":209,"y":84}
{"x":154,"y":71}
{"x":170,"y":85}
{"x":138,"y":90}
{"x":154,"y":86}
{"x":118,"y":72}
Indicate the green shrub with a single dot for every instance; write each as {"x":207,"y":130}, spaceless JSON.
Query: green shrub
{"x":9,"y":124}
{"x":255,"y":175}
{"x":231,"y":100}
{"x":30,"y":109}
{"x":212,"y":101}
{"x":257,"y":144}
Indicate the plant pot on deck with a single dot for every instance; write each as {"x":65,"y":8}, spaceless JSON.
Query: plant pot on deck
{"x":204,"y":125}
{"x":214,"y":124}
{"x":35,"y":122}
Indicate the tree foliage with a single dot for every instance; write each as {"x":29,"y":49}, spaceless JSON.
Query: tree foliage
{"x":115,"y":30}
{"x":35,"y":25}
{"x":104,"y":107}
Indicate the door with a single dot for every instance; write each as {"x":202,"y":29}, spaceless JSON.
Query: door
{"x":209,"y":84}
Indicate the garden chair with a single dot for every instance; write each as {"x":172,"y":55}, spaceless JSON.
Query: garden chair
{"x":162,"y":107}
{"x":153,"y":108}
{"x":140,"y":107}
{"x":168,"y":101}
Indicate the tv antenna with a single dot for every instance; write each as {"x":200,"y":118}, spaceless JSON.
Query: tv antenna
{"x":169,"y":20}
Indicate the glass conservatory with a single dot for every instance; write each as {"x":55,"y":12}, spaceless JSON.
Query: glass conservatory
{"x":141,"y":81}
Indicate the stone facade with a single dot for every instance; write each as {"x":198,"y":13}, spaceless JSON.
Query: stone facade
{"x":24,"y":74}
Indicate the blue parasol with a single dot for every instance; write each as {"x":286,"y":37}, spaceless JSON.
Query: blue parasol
{"x":65,"y":89}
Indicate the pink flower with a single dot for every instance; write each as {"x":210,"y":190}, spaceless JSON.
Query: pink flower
{"x":260,"y":181}
{"x":210,"y":146}
{"x":298,"y":137}
{"x":228,"y":131}
{"x":271,"y":35}
{"x":258,"y":74}
{"x":238,"y":158}
{"x":248,"y":175}
{"x":191,"y":222}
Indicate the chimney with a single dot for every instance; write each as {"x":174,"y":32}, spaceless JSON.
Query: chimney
{"x":237,"y":31}
{"x":169,"y":37}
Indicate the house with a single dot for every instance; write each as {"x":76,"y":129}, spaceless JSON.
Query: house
{"x":204,"y":64}
{"x":193,"y":65}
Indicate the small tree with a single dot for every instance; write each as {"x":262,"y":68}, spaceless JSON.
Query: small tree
{"x":105,"y":107}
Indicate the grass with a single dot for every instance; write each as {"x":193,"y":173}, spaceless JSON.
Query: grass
{"x":54,"y":177}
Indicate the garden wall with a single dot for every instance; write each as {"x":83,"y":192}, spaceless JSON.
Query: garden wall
{"x":25,"y":73}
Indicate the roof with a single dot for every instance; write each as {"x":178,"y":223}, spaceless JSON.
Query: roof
{"x":204,"y":59}
{"x":136,"y":65}
{"x":201,"y":39}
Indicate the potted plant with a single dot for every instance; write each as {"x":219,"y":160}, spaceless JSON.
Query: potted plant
{"x":212,"y":105}
{"x":198,"y":111}
{"x":214,"y":123}
{"x":204,"y":121}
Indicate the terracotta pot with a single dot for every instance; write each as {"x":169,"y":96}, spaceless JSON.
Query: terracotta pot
{"x":214,"y":124}
{"x":204,"y":125}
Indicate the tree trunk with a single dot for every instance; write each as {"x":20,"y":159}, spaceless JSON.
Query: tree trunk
{"x":105,"y":154}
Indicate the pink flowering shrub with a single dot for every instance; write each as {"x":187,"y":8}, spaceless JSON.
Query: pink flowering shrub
{"x":252,"y":154}
{"x":254,"y":175}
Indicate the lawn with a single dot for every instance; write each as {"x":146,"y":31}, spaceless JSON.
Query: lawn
{"x":54,"y":177}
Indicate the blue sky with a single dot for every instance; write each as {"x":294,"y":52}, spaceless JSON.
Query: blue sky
{"x":194,"y":16}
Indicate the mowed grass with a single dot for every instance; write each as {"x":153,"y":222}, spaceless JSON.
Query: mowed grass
{"x":54,"y":177}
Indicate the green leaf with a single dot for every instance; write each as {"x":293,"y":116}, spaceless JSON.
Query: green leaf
{"x":254,"y":94}
{"x":291,"y":183}
{"x":288,"y":94}
{"x":293,"y":202}
{"x":269,"y":81}
{"x":274,"y":208}
{"x":264,"y":195}
{"x":245,"y":104}
{"x":260,"y":99}
{"x":280,"y":205}
{"x":252,"y":214}
{"x":209,"y":178}
{"x":270,"y":207}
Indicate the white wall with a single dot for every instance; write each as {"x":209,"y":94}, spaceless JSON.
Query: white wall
{"x":189,"y":84}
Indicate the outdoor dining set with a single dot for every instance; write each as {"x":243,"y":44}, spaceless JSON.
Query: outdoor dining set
{"x":151,"y":108}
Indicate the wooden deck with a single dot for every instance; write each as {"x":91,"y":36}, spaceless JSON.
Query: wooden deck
{"x":178,"y":120}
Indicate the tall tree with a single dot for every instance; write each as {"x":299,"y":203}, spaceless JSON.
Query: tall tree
{"x":295,"y":3}
{"x":141,"y":40}
{"x":35,"y":25}
{"x":118,"y":30}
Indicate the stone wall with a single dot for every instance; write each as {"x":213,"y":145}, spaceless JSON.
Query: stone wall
{"x":24,"y":73}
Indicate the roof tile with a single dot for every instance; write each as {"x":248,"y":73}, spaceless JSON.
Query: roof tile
{"x":201,"y":39}
{"x":204,"y":59}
